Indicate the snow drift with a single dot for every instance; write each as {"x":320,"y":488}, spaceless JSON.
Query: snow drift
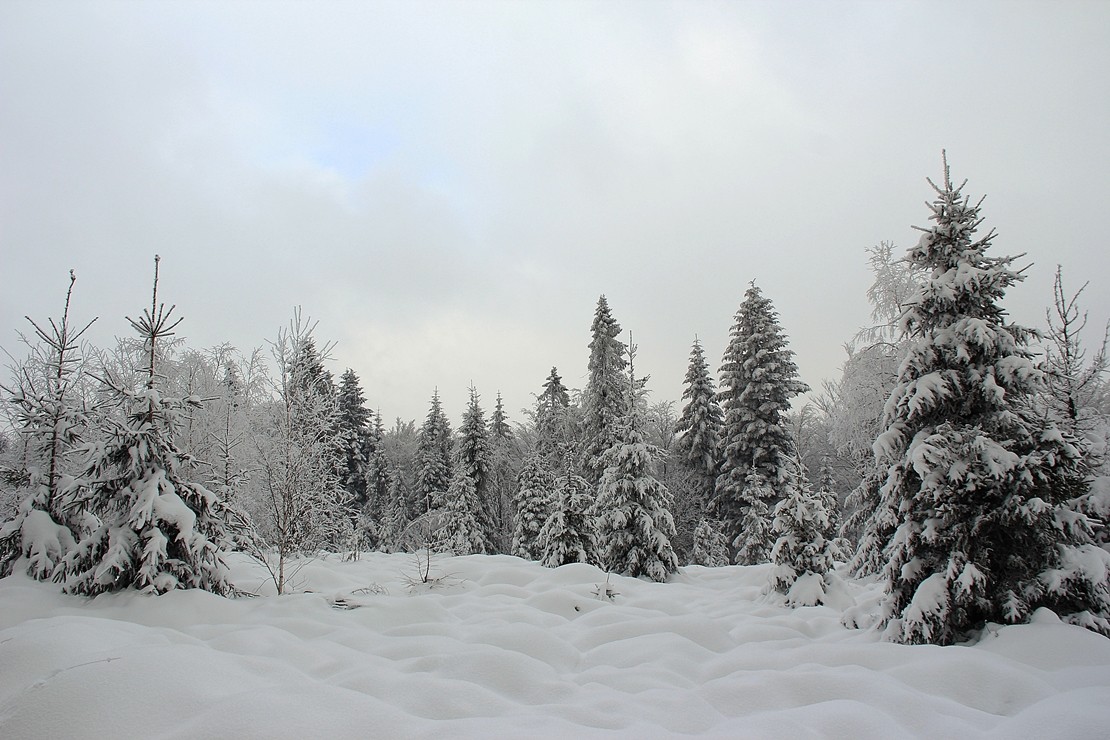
{"x":501,"y":647}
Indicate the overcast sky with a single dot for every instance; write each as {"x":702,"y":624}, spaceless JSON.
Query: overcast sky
{"x":449,"y":187}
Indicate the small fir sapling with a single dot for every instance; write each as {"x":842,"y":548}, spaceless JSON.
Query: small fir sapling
{"x":143,"y":525}
{"x":755,"y":539}
{"x":803,"y":554}
{"x":567,"y":536}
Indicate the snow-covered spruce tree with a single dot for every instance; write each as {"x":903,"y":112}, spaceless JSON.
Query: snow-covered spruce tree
{"x":758,"y":379}
{"x":433,"y":458}
{"x":143,"y":525}
{"x":698,"y":445}
{"x":304,"y":505}
{"x":50,"y":416}
{"x":696,"y":450}
{"x":826,"y":491}
{"x":473,"y":458}
{"x":379,"y":475}
{"x":567,"y":535}
{"x":803,"y":554}
{"x":710,"y":545}
{"x":499,"y":427}
{"x":394,"y":515}
{"x":554,"y":436}
{"x":354,"y":439}
{"x":504,"y":468}
{"x":533,"y":505}
{"x":756,"y":538}
{"x":869,"y":525}
{"x":606,"y":401}
{"x":461,"y":532}
{"x":979,"y":486}
{"x":633,"y":523}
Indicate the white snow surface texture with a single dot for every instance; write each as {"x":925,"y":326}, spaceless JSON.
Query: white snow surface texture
{"x":505,"y":648}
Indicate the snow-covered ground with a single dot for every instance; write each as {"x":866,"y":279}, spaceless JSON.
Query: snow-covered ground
{"x":506,"y":648}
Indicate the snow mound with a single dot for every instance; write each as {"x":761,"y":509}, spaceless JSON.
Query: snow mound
{"x":500,"y":647}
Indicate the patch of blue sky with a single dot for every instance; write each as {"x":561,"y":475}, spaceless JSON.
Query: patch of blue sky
{"x":352,"y":148}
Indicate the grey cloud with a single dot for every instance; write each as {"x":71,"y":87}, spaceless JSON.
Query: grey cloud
{"x":511,"y":161}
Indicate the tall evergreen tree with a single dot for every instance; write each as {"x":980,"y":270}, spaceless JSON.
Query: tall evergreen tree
{"x":379,"y":476}
{"x":979,"y":487}
{"x":554,"y":437}
{"x":606,"y":401}
{"x":354,"y":439}
{"x":401,"y":445}
{"x":52,"y":418}
{"x":697,"y":449}
{"x":758,"y":379}
{"x":228,"y":473}
{"x":869,"y":525}
{"x":310,"y":373}
{"x":144,"y":526}
{"x":473,"y":458}
{"x":504,"y":468}
{"x":433,"y":458}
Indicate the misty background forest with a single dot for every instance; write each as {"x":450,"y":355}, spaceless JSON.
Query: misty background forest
{"x":959,"y":457}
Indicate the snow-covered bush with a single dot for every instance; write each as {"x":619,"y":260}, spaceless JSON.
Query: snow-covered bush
{"x":710,"y":544}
